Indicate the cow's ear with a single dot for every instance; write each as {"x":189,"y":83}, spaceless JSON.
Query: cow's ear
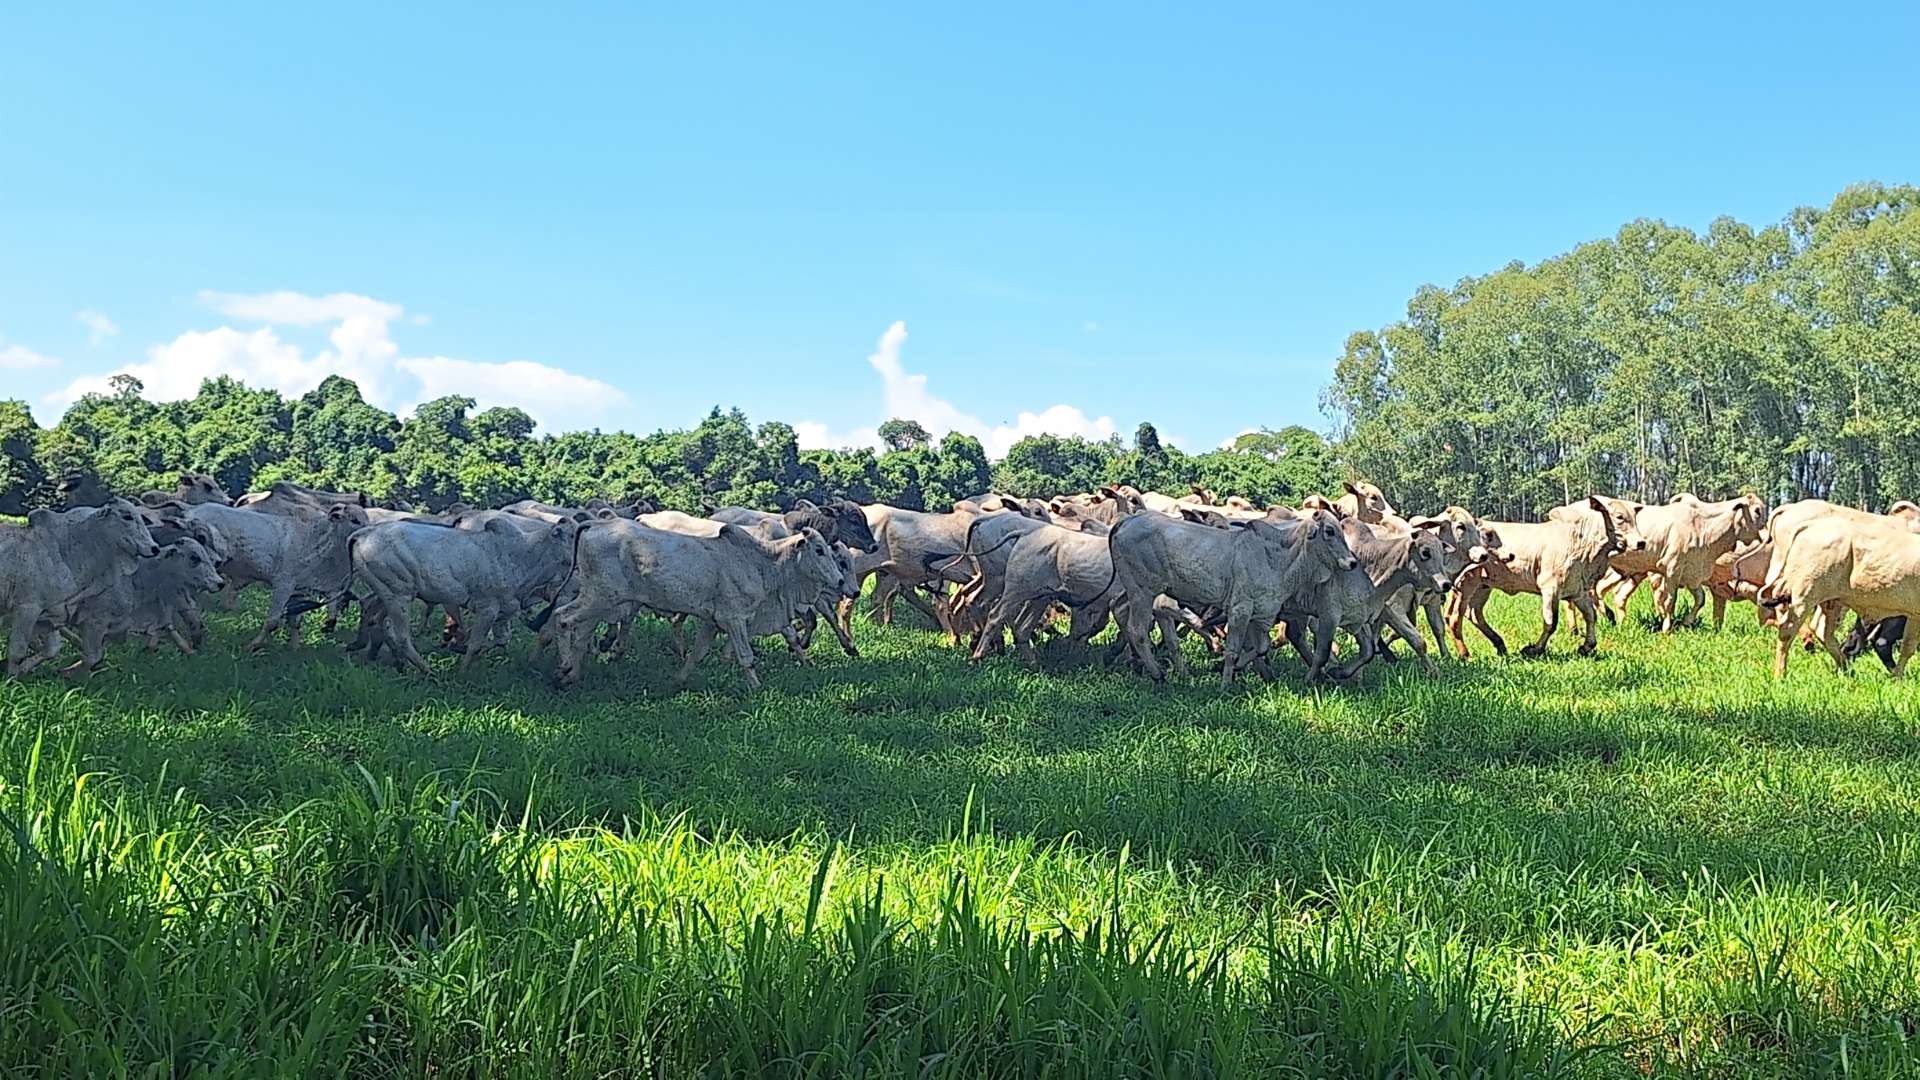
{"x":172,"y":551}
{"x":1427,"y":523}
{"x":1637,"y":507}
{"x":1594,"y":501}
{"x":1348,"y":484}
{"x":187,"y":479}
{"x":337,"y":513}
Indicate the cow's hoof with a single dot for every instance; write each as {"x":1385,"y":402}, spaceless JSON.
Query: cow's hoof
{"x":1532,"y":652}
{"x":1586,"y":650}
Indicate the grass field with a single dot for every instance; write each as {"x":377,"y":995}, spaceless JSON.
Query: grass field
{"x":1654,"y":861}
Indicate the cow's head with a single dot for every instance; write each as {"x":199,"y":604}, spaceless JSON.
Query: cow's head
{"x":850,"y":525}
{"x":1318,"y":502}
{"x":196,"y":488}
{"x":1428,"y":554}
{"x":123,"y":528}
{"x":1328,"y":543}
{"x":1623,"y":519}
{"x":192,"y":565}
{"x":1367,"y":502}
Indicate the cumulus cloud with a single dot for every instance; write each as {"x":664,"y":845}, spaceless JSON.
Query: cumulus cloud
{"x":360,"y":347}
{"x":298,"y":309}
{"x":99,"y":327}
{"x":560,"y":400}
{"x":905,"y":396}
{"x":21,"y":358}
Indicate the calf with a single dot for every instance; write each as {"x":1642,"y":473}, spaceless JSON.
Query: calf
{"x":193,"y":489}
{"x":1562,"y":558}
{"x":1250,"y":571}
{"x":488,"y":573}
{"x":1835,"y":563}
{"x":149,"y":602}
{"x":58,"y":562}
{"x":288,"y":551}
{"x":735,"y":582}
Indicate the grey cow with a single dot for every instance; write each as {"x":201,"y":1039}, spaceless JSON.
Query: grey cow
{"x":488,"y":572}
{"x":58,"y":561}
{"x":734,"y":582}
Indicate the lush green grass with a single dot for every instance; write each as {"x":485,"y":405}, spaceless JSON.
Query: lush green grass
{"x":1654,"y":860}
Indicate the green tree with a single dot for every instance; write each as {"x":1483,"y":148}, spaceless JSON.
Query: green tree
{"x":905,"y":435}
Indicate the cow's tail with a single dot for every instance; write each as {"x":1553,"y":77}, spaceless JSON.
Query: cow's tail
{"x":1771,"y":595}
{"x":1067,"y":596}
{"x":539,"y":621}
{"x":302,"y":604}
{"x":951,"y":557}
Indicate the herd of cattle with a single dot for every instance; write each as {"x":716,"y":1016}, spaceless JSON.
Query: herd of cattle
{"x":1241,"y":578}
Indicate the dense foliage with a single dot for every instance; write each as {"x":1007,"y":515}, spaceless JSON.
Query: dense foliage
{"x":447,"y":452}
{"x":1784,"y":360}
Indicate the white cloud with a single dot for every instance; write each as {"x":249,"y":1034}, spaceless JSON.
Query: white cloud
{"x":813,"y":435}
{"x":20,"y":358}
{"x":559,"y":400}
{"x":99,"y":327}
{"x":298,"y":309}
{"x":360,"y":347}
{"x":905,"y":396}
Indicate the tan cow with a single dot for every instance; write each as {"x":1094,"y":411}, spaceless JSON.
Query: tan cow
{"x":1738,"y":575}
{"x":1562,"y":558}
{"x":1364,"y":501}
{"x":1837,"y":562}
{"x":1683,"y":538}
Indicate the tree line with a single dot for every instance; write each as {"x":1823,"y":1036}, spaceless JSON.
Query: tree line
{"x":1783,"y":360}
{"x":447,"y":452}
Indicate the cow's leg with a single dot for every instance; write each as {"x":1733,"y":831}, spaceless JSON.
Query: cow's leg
{"x":804,"y":624}
{"x":991,"y":630}
{"x":1908,"y":641}
{"x":1170,"y":637}
{"x":1549,"y":618}
{"x":839,"y":631}
{"x":1456,"y":612}
{"x":1476,"y":608}
{"x":1230,"y":662}
{"x":1789,"y":624}
{"x":400,"y":635}
{"x":179,"y":641}
{"x":479,"y":631}
{"x":741,"y":644}
{"x":791,"y":636}
{"x":1830,"y":638}
{"x":335,"y":608}
{"x":276,"y":609}
{"x":1140,"y":621}
{"x":703,"y":632}
{"x":1665,"y":598}
{"x":196,"y":624}
{"x":1437,"y":623}
{"x":1719,"y":612}
{"x":229,"y":596}
{"x":1411,"y":633}
{"x":93,"y":642}
{"x":1586,"y":604}
{"x":1610,"y":583}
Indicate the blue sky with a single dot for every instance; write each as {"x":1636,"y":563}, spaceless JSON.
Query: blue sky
{"x":621,"y":218}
